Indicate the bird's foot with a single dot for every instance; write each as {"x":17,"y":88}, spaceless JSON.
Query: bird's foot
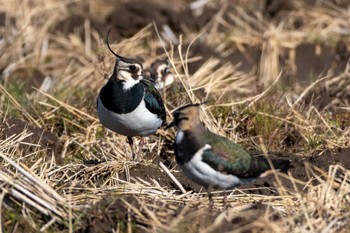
{"x":211,"y":205}
{"x":131,"y":144}
{"x":224,"y":201}
{"x":139,"y":152}
{"x":210,"y":197}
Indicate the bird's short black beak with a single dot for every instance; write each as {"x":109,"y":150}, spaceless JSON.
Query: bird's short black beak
{"x":172,"y":124}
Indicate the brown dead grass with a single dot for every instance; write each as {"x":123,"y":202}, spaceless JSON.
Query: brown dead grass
{"x":52,"y":197}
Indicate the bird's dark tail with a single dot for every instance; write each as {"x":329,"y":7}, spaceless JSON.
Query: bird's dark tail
{"x":282,"y":165}
{"x":260,"y":166}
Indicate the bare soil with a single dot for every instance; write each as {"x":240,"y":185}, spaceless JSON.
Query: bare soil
{"x":47,"y":141}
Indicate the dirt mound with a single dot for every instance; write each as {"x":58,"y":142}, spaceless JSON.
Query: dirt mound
{"x":123,"y":213}
{"x":45,"y":139}
{"x":108,"y":214}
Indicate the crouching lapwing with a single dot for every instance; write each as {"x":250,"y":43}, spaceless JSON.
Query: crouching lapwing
{"x":211,"y":160}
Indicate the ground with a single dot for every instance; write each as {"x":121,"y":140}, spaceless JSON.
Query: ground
{"x":273,"y":74}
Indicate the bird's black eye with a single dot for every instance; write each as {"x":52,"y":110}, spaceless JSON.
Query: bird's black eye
{"x":132,"y":67}
{"x":165,"y":71}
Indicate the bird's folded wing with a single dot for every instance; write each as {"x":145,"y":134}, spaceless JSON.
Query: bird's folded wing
{"x":153,"y":100}
{"x":228,"y":157}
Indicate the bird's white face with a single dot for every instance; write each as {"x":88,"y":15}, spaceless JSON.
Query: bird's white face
{"x":164,"y":75}
{"x":131,"y":72}
{"x":162,"y":69}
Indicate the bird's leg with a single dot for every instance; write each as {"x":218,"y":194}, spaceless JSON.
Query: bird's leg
{"x":224,"y":202}
{"x":142,"y":141}
{"x":210,"y":197}
{"x":131,"y":144}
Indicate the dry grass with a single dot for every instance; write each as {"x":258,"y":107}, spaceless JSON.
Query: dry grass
{"x":249,"y":107}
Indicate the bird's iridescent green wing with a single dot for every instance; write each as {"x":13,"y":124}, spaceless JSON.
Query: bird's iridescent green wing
{"x":228,"y":157}
{"x":153,"y":99}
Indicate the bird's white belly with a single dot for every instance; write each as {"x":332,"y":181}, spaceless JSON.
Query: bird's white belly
{"x":140,"y":122}
{"x":205,"y":175}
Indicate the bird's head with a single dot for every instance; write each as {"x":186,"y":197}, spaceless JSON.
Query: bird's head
{"x":186,"y":118}
{"x":161,"y":74}
{"x":128,"y":70}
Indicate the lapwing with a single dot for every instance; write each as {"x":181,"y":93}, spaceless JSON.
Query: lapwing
{"x":211,"y":160}
{"x":129,"y":104}
{"x":160,"y":74}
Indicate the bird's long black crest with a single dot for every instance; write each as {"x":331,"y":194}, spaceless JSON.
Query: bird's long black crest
{"x":109,"y":47}
{"x":171,"y":124}
{"x":190,"y":105}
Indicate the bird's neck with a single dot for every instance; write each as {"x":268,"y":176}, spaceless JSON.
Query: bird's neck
{"x":127,"y":85}
{"x":188,"y":142}
{"x":197,"y":128}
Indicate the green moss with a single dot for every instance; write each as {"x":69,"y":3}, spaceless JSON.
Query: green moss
{"x":266,"y":125}
{"x":313,"y":142}
{"x":16,"y":91}
{"x":311,"y":76}
{"x":12,"y":219}
{"x":222,"y":112}
{"x":264,"y":122}
{"x":330,"y":41}
{"x":69,"y":95}
{"x":333,"y":123}
{"x":100,"y":133}
{"x":48,"y":59}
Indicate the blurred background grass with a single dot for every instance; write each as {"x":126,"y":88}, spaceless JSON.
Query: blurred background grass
{"x":274,"y":74}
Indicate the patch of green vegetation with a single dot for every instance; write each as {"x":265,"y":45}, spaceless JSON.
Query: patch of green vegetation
{"x":65,"y":121}
{"x":70,"y":95}
{"x":222,"y":112}
{"x":264,"y":119}
{"x":285,"y":85}
{"x":264,"y":123}
{"x":48,"y":59}
{"x":313,"y":141}
{"x":14,"y":221}
{"x":16,"y":90}
{"x":145,"y":45}
{"x":333,"y":123}
{"x":100,"y":133}
{"x":311,"y":76}
{"x":80,"y":98}
{"x":330,"y":41}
